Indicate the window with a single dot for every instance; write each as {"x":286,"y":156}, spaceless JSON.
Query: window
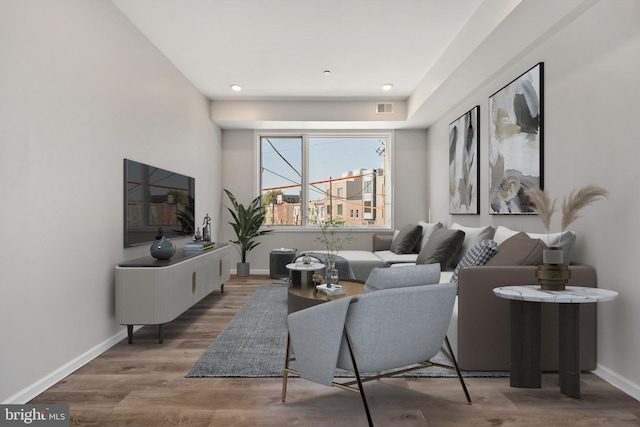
{"x":306,"y":178}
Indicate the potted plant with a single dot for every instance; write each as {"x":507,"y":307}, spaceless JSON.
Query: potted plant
{"x":246,"y":224}
{"x":553,"y":274}
{"x":571,"y":205}
{"x":333,"y":241}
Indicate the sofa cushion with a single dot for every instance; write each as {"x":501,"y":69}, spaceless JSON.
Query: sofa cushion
{"x":389,"y":258}
{"x":427,"y":229}
{"x":479,"y":254}
{"x":406,"y":239}
{"x":472,"y":235}
{"x":519,"y":249}
{"x":441,"y":247}
{"x":565,"y":240}
{"x":413,"y":275}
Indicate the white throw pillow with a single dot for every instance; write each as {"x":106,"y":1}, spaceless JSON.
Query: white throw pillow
{"x":503,"y":233}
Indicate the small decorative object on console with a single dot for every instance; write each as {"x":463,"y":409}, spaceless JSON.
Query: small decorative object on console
{"x":206,"y":228}
{"x":162,"y":248}
{"x":198,"y":246}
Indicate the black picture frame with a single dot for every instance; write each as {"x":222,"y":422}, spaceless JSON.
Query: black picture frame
{"x":464,"y":164}
{"x":516,"y":143}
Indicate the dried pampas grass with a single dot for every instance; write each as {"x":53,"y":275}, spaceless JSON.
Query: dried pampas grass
{"x":577,"y":200}
{"x":545,"y":207}
{"x":571,"y":206}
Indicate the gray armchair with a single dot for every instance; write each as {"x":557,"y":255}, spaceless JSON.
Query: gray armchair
{"x":376,"y":334}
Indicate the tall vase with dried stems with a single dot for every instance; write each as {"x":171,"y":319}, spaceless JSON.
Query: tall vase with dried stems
{"x":552,"y":274}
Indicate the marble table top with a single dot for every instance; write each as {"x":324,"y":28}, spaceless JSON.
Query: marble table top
{"x":572,"y":294}
{"x":299,"y":266}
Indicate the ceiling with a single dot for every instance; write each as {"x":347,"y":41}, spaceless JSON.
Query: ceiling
{"x":279,"y":50}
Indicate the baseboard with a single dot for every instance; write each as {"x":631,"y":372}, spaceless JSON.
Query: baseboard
{"x":253,"y":271}
{"x":31,"y":391}
{"x":613,"y":378}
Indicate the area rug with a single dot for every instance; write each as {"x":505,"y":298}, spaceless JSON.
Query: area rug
{"x":253,"y":344}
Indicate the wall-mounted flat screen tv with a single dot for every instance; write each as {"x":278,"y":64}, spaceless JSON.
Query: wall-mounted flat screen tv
{"x":153,"y":198}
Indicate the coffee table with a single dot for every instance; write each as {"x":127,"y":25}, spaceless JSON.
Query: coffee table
{"x":300,"y":297}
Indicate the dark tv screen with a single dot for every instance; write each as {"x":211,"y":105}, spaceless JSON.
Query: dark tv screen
{"x":153,"y":198}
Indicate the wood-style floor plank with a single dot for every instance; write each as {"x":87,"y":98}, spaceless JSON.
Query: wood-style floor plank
{"x":143,"y":384}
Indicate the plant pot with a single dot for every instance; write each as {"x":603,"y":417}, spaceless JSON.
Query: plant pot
{"x":242,"y":269}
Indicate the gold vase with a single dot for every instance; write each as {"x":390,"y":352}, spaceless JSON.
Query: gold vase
{"x":553,"y":275}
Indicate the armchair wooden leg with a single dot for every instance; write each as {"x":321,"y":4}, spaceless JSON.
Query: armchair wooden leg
{"x":455,"y":364}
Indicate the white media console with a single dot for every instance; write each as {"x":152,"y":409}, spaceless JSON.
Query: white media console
{"x":155,"y":292}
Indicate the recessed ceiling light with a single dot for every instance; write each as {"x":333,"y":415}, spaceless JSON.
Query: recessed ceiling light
{"x":387,"y":86}
{"x":236,"y":87}
{"x":326,"y":72}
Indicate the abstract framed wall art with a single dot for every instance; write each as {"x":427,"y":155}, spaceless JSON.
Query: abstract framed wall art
{"x":464,"y":173}
{"x":516,"y":143}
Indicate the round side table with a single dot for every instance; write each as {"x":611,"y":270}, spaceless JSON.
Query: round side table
{"x":525,"y":332}
{"x":304,"y":270}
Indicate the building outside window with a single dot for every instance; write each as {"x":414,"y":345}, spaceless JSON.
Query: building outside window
{"x":306,"y":178}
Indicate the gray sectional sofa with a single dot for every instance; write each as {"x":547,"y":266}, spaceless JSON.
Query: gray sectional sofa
{"x":479,"y":329}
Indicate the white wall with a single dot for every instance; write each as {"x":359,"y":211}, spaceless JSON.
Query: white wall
{"x":239,"y":176}
{"x":80,"y":90}
{"x":591,"y":111}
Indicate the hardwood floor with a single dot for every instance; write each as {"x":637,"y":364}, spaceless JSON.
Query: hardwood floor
{"x":143,"y":384}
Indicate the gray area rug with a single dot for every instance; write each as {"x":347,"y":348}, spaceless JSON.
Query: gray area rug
{"x":253,"y":344}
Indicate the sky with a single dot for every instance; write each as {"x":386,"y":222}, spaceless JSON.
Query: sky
{"x":329,"y":157}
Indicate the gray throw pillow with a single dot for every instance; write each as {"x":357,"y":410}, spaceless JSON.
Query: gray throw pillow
{"x":441,"y":247}
{"x":482,"y":252}
{"x":406,"y":239}
{"x":402,"y":277}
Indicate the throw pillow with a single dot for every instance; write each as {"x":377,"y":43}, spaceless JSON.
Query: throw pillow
{"x":427,"y":230}
{"x":406,"y":239}
{"x":519,"y":249}
{"x":565,"y":240}
{"x":441,"y":247}
{"x":480,"y":254}
{"x":413,"y":275}
{"x":503,"y":233}
{"x":472,"y":235}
